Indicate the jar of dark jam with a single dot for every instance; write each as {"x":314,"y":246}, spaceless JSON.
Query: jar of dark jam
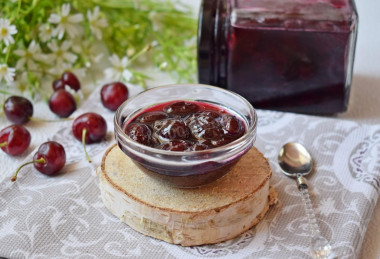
{"x":289,"y":55}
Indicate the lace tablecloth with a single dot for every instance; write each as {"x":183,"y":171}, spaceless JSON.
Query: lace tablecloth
{"x":63,"y":216}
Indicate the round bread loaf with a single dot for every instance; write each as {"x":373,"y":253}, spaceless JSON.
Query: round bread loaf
{"x":209,"y":214}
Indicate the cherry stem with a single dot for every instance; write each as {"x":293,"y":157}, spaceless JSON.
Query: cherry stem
{"x":3,"y":144}
{"x":84,"y":132}
{"x":41,"y":161}
{"x":57,"y":120}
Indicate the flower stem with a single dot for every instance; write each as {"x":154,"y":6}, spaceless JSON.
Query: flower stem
{"x":5,"y":143}
{"x":84,"y":132}
{"x":41,"y":161}
{"x":42,"y":72}
{"x":18,"y":7}
{"x":146,"y":49}
{"x":5,"y":92}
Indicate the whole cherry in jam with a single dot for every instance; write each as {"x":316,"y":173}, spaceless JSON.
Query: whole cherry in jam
{"x":14,"y":139}
{"x":185,"y":126}
{"x":181,"y":108}
{"x":169,"y":129}
{"x":89,"y":128}
{"x":232,"y":126}
{"x":62,"y":103}
{"x":49,"y":159}
{"x":177,"y":145}
{"x":139,"y":132}
{"x":151,"y":117}
{"x":18,"y":109}
{"x":113,"y":95}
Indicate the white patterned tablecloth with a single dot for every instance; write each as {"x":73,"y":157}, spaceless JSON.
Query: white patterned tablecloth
{"x":64,"y":217}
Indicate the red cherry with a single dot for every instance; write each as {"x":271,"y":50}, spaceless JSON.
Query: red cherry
{"x":49,"y":159}
{"x":18,"y":109}
{"x":71,"y":80}
{"x":113,"y":95}
{"x":58,"y":84}
{"x":95,"y":125}
{"x":89,"y":128}
{"x":14,"y":139}
{"x":62,"y":103}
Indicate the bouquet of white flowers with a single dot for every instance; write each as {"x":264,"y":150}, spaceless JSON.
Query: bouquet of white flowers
{"x":40,"y":39}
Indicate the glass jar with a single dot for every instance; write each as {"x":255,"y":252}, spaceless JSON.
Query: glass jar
{"x":289,"y":55}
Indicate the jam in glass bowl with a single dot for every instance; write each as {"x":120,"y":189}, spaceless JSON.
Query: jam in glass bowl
{"x":186,"y":135}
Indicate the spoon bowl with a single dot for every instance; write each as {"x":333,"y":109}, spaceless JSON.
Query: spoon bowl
{"x":294,"y":159}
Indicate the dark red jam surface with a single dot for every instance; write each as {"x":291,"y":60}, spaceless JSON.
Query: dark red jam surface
{"x":290,"y":69}
{"x":185,"y":126}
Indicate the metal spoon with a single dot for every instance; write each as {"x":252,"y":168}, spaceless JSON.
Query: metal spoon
{"x":295,"y":161}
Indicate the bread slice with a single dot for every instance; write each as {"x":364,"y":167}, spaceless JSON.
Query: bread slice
{"x":209,"y":214}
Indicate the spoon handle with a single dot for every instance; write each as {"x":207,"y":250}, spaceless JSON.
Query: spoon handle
{"x":320,"y":247}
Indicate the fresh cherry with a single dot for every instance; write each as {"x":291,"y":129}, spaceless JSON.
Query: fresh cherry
{"x":49,"y":159}
{"x":18,"y":109}
{"x":113,"y":95}
{"x":71,"y":80}
{"x":58,"y":84}
{"x":14,"y":139}
{"x":89,"y":128}
{"x":62,"y":103}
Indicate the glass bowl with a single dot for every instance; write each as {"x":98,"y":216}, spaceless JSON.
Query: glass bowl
{"x":186,"y":169}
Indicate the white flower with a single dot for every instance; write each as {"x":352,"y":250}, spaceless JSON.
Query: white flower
{"x":22,"y":81}
{"x":7,"y":73}
{"x":92,"y":52}
{"x":96,"y":23}
{"x":155,"y":18}
{"x":45,"y":32}
{"x":6,"y":31}
{"x":66,"y":23}
{"x":119,"y":69}
{"x":28,"y":56}
{"x":61,"y":55}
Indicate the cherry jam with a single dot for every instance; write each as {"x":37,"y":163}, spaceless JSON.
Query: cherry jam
{"x":185,"y":126}
{"x":288,"y":55}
